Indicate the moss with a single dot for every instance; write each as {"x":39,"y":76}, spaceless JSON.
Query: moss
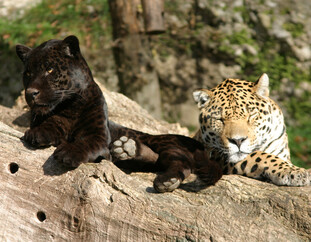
{"x":244,"y":12}
{"x":239,"y":39}
{"x":172,"y":7}
{"x":285,"y":11}
{"x":242,"y":37}
{"x":296,"y":29}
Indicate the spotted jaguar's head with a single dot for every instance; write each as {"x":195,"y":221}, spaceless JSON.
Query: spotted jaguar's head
{"x":237,"y":117}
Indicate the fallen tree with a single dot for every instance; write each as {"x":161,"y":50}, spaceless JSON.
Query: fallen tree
{"x":43,"y":201}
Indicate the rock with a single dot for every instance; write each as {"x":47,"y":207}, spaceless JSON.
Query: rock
{"x":265,"y":20}
{"x":216,"y":75}
{"x":12,"y":9}
{"x":303,"y":53}
{"x":42,"y":201}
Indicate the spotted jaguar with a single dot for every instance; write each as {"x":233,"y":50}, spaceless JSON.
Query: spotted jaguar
{"x":244,"y":128}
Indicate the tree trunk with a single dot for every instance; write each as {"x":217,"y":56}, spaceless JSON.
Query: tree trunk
{"x":42,"y":201}
{"x":153,"y":11}
{"x":137,"y":76}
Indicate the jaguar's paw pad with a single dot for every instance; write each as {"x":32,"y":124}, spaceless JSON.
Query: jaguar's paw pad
{"x":124,"y":148}
{"x":167,"y":186}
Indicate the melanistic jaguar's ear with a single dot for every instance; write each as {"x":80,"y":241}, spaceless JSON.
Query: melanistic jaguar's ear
{"x":202,"y":96}
{"x":262,"y":86}
{"x":22,"y":52}
{"x":71,"y":45}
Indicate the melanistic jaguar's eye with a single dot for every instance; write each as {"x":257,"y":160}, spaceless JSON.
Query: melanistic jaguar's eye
{"x":27,"y":73}
{"x":49,"y":70}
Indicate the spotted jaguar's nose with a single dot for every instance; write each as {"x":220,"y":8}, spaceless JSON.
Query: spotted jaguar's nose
{"x":32,"y":93}
{"x":237,"y":142}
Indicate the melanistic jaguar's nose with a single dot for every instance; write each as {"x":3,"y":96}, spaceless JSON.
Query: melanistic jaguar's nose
{"x":237,"y":142}
{"x":32,"y":93}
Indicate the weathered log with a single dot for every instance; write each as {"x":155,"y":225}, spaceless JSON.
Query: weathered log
{"x":43,"y":201}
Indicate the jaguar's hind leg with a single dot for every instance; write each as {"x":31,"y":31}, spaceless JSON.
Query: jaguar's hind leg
{"x":175,"y":171}
{"x":170,"y":180}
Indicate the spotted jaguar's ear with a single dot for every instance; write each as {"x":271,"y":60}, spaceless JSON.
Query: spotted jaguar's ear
{"x":22,"y":52}
{"x":262,"y":86}
{"x":71,"y":45}
{"x":202,"y":96}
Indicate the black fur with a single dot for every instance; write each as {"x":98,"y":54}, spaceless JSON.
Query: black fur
{"x":69,"y":111}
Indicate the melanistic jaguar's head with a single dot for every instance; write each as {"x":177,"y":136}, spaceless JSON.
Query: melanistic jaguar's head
{"x":54,"y":71}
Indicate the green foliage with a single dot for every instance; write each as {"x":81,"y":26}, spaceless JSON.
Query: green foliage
{"x":278,"y":66}
{"x":244,"y":12}
{"x":239,"y":39}
{"x":172,"y":6}
{"x":300,"y":143}
{"x":242,"y":37}
{"x":52,"y":19}
{"x":296,"y":29}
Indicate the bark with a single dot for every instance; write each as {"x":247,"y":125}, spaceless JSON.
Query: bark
{"x":135,"y":68}
{"x":42,"y":201}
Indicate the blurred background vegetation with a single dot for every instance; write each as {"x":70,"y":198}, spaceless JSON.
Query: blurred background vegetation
{"x":205,"y":42}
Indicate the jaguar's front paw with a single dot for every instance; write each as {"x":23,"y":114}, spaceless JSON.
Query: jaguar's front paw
{"x":124,"y":148}
{"x":70,"y":155}
{"x":292,"y":177}
{"x":39,"y":138}
{"x":164,"y":184}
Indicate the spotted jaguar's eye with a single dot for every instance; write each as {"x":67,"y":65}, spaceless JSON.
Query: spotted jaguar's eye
{"x":49,"y":70}
{"x":220,"y":120}
{"x":252,"y":116}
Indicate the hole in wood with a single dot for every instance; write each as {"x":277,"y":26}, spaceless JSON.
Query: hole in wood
{"x":13,"y":167}
{"x":41,"y":216}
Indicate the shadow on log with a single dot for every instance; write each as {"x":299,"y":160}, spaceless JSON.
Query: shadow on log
{"x":43,"y":201}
